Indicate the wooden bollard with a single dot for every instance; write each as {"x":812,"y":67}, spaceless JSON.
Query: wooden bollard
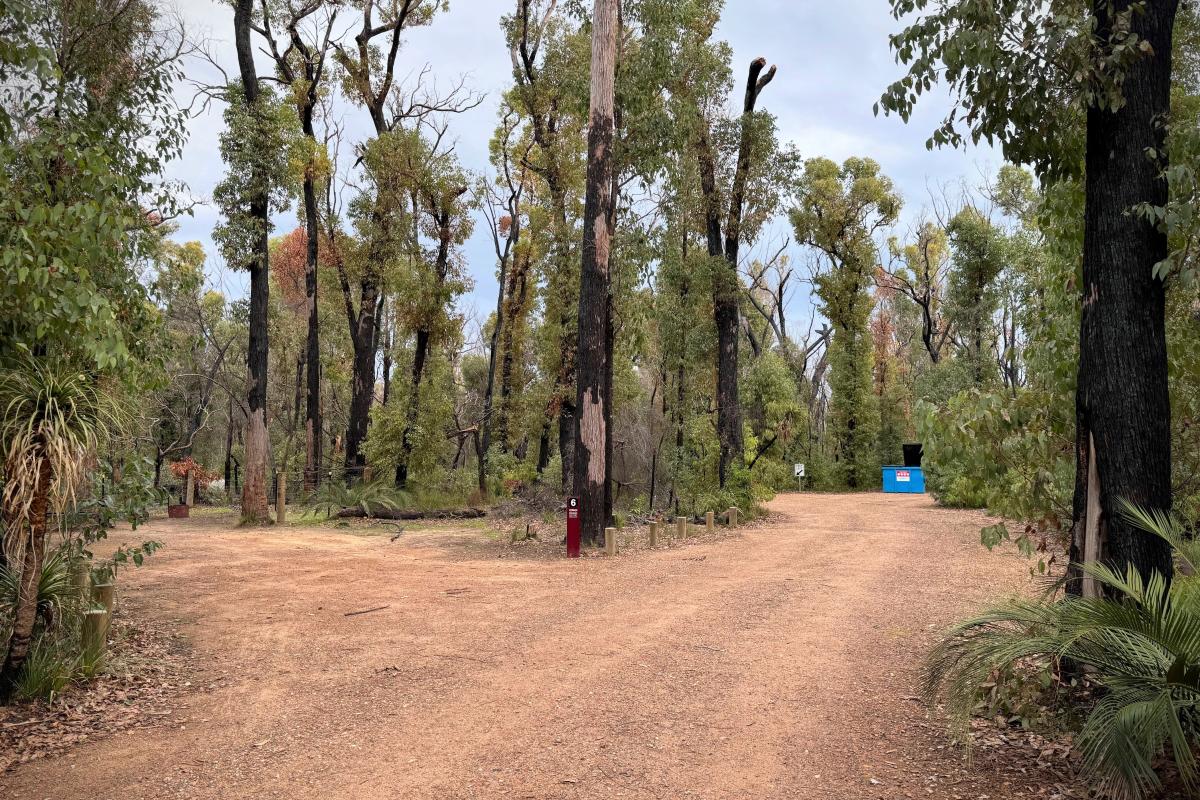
{"x":710,"y":522}
{"x":681,"y":527}
{"x":81,"y":576}
{"x":733,"y":516}
{"x":189,"y":499}
{"x":654,"y":534}
{"x":103,"y":594}
{"x":94,"y":635}
{"x":280,"y":498}
{"x":610,"y":541}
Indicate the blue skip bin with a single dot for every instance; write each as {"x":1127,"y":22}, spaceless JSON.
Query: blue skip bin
{"x":908,"y":480}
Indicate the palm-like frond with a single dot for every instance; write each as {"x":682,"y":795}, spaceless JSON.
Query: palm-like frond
{"x":1140,"y":643}
{"x":332,"y":497}
{"x":55,"y":593}
{"x":47,"y":412}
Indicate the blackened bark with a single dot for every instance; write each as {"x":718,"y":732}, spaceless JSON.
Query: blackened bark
{"x":441,"y":211}
{"x":513,"y":312}
{"x":1122,"y":397}
{"x":228,"y":451}
{"x":726,"y":286}
{"x":591,"y":446}
{"x":497,"y":332}
{"x":254,"y":489}
{"x":362,"y":383}
{"x":420,"y":355}
{"x":543,"y":456}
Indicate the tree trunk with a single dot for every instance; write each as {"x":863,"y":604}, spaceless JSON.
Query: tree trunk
{"x":420,"y":354}
{"x":254,"y":490}
{"x":312,"y":403}
{"x":513,"y":310}
{"x":1122,"y":399}
{"x":25,"y":614}
{"x":543,"y":456}
{"x":362,"y":384}
{"x":228,"y":453}
{"x":485,"y":422}
{"x":590,"y":468}
{"x":726,"y":287}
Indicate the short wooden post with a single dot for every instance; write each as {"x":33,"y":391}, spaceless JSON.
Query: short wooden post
{"x":103,"y":594}
{"x":710,"y":522}
{"x":281,"y":497}
{"x":733,"y":516}
{"x":190,"y":498}
{"x":610,"y":541}
{"x":654,"y":534}
{"x":95,"y":636}
{"x":681,"y":527}
{"x":81,"y":576}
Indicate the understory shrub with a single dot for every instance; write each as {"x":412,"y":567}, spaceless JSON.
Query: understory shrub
{"x":1137,"y":648}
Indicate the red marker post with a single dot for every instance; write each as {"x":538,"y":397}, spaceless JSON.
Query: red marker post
{"x":573,"y":533}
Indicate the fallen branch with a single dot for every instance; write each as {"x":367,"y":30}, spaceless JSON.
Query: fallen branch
{"x":364,"y":611}
{"x":396,"y":513}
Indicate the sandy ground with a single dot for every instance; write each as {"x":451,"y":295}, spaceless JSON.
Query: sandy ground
{"x":778,"y":663}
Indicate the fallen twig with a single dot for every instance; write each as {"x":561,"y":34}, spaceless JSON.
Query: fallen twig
{"x":364,"y":611}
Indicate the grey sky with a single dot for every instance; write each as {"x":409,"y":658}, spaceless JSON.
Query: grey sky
{"x":833,"y":62}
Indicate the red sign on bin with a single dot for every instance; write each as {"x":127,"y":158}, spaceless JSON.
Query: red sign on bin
{"x":573,"y":527}
{"x":902,"y":476}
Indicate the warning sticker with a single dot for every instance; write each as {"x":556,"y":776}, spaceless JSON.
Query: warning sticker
{"x":902,"y":476}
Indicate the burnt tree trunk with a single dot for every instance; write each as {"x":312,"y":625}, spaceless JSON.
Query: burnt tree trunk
{"x":362,"y":382}
{"x":591,"y":445}
{"x":726,"y":286}
{"x":513,"y":311}
{"x":228,"y":452}
{"x":254,"y":487}
{"x":441,"y":211}
{"x":420,"y":356}
{"x":312,"y":351}
{"x":1122,"y":401}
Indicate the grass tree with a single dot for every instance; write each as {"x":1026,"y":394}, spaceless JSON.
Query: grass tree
{"x":51,"y":418}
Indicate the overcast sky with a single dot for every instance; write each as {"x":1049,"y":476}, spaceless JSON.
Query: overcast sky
{"x":833,"y":63}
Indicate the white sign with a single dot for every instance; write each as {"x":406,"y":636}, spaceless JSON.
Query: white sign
{"x":901,"y":476}
{"x":799,"y":470}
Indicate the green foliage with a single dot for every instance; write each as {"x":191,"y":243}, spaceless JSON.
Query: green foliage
{"x":85,"y":133}
{"x":50,"y":667}
{"x":1004,"y":453}
{"x":333,"y":496}
{"x":1140,"y":642}
{"x":260,"y":146}
{"x":56,"y":593}
{"x":838,"y":212}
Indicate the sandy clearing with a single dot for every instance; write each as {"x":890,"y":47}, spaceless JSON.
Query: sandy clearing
{"x":779,"y":663}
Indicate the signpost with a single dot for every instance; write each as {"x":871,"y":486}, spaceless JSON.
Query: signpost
{"x":800,"y":476}
{"x":573,"y":527}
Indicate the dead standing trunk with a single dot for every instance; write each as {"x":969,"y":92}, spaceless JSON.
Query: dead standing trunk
{"x":590,"y":468}
{"x":726,"y":288}
{"x":1122,"y":402}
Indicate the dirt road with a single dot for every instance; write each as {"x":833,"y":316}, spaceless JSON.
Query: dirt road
{"x":778,"y":663}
